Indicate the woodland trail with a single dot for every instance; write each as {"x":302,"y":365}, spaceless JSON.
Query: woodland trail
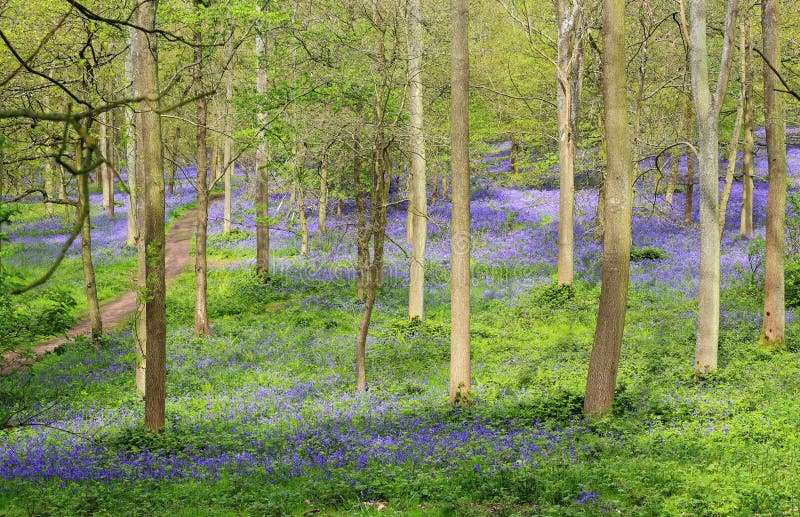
{"x":114,"y":312}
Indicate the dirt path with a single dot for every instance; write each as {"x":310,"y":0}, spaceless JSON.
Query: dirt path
{"x":114,"y":312}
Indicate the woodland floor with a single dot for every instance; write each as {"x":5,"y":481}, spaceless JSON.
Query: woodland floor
{"x":116,"y":311}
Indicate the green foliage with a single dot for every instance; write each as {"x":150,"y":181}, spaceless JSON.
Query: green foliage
{"x":647,"y":253}
{"x":556,"y":295}
{"x":793,"y":224}
{"x":791,"y":275}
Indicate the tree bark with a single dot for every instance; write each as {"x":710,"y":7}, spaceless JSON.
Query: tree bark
{"x":688,"y":206}
{"x":748,"y":167}
{"x":323,"y":196}
{"x":227,"y":149}
{"x":201,"y":326}
{"x":734,"y":143}
{"x":262,"y":159}
{"x":418,"y":201}
{"x":301,"y":215}
{"x":707,"y":108}
{"x":86,"y":248}
{"x":604,"y":362}
{"x":146,"y":83}
{"x":460,"y":220}
{"x":773,"y":326}
{"x":567,"y":18}
{"x":132,"y":227}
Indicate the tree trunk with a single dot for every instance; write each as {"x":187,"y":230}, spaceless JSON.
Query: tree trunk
{"x":418,"y":201}
{"x":773,"y":326}
{"x":132,"y":227}
{"x":201,"y":327}
{"x":323,"y":197}
{"x":102,"y":143}
{"x":362,"y":239}
{"x":301,"y":215}
{"x":673,"y":178}
{"x":688,"y":206}
{"x":262,"y":159}
{"x":110,"y":156}
{"x":707,"y":110}
{"x":460,"y":220}
{"x":146,"y":81}
{"x":734,"y":143}
{"x":49,"y":187}
{"x":513,"y":156}
{"x":604,"y":362}
{"x":173,"y":170}
{"x":567,"y":19}
{"x":746,"y":219}
{"x":86,"y":248}
{"x":227,"y":150}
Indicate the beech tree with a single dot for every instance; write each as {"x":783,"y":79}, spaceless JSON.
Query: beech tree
{"x":148,"y":126}
{"x":201,"y":327}
{"x":460,"y":219}
{"x":773,"y":326}
{"x":604,"y":361}
{"x":262,"y":152}
{"x":707,"y":110}
{"x":418,"y":195}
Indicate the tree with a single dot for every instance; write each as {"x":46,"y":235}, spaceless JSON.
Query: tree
{"x":568,"y":17}
{"x":707,"y":110}
{"x":86,"y":244}
{"x":746,"y":217}
{"x":418,"y":201}
{"x":201,"y":327}
{"x":148,"y":126}
{"x":773,"y":326}
{"x":262,"y":156}
{"x":601,"y":379}
{"x":460,"y":219}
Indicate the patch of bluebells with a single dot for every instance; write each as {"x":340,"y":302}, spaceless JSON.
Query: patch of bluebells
{"x":283,"y":426}
{"x":41,"y":239}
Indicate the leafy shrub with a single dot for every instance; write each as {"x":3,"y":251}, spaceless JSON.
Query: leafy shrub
{"x":235,"y":235}
{"x":791,"y":275}
{"x":555,"y":295}
{"x":647,"y":253}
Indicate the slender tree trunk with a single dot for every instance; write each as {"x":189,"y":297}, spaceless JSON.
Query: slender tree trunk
{"x":362,"y":240}
{"x":773,"y":326}
{"x":567,"y":19}
{"x":707,"y":108}
{"x":604,"y":361}
{"x":262,"y":159}
{"x":673,"y":178}
{"x":86,"y":248}
{"x":109,"y":151}
{"x":323,"y":197}
{"x":418,"y":194}
{"x":146,"y":83}
{"x":460,"y":225}
{"x":746,"y":219}
{"x":201,"y":327}
{"x":734,"y":143}
{"x":132,"y":227}
{"x":173,"y":170}
{"x":49,"y":187}
{"x":102,"y":143}
{"x":513,"y":156}
{"x":301,"y":215}
{"x":227,"y":150}
{"x":688,"y":206}
{"x":62,"y":192}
